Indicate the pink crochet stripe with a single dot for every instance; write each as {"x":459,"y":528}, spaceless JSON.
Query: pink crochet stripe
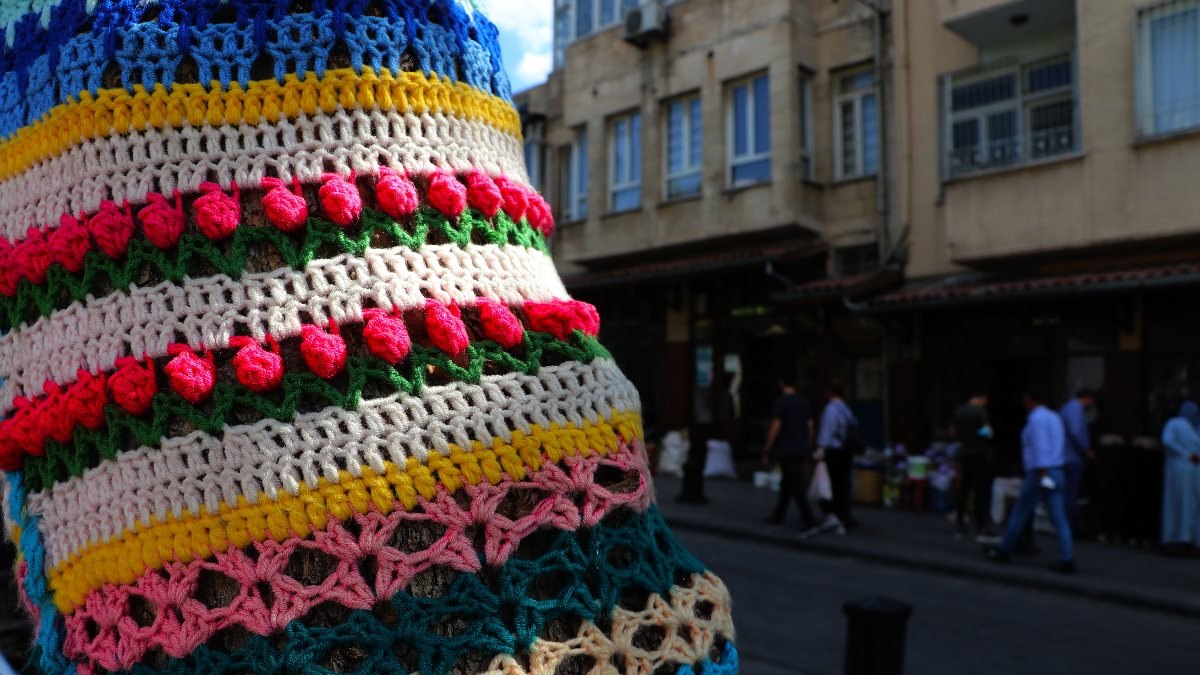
{"x":104,"y":634}
{"x":191,"y":372}
{"x":217,"y":214}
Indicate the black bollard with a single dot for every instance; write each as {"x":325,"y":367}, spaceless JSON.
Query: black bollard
{"x":875,"y":636}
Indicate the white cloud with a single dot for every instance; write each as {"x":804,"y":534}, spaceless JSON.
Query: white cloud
{"x":526,"y":34}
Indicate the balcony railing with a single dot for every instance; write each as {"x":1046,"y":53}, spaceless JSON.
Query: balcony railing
{"x":1009,"y":115}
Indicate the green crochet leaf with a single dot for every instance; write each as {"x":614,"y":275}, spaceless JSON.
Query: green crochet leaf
{"x":196,"y":253}
{"x":499,"y":611}
{"x":299,"y":390}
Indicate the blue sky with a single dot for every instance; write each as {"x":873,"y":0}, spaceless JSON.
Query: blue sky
{"x":526,"y":38}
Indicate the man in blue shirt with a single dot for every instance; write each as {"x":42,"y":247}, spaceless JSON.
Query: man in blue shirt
{"x":1079,"y":449}
{"x":837,"y":441}
{"x":1043,"y":444}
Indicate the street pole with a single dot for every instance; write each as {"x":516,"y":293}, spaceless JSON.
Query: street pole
{"x":875,"y":635}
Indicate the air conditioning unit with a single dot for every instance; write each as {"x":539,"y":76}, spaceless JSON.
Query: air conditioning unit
{"x":646,"y":22}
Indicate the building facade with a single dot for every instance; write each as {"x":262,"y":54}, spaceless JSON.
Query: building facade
{"x":919,"y":197}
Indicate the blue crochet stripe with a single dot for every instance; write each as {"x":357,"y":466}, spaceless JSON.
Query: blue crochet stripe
{"x":727,"y":666}
{"x":47,"y":653}
{"x":44,"y":67}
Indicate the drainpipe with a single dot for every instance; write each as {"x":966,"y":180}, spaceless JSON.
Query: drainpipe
{"x":883,"y":193}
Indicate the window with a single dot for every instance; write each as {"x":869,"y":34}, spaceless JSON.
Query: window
{"x":856,"y":122}
{"x":750,"y":131}
{"x":575,"y":177}
{"x":853,"y":260}
{"x":685,"y":147}
{"x":1169,"y":68}
{"x":535,"y":153}
{"x":1016,"y":113}
{"x":625,"y":162}
{"x":806,"y":129}
{"x":575,"y":19}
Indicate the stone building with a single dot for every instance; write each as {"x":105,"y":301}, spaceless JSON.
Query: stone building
{"x":919,"y":196}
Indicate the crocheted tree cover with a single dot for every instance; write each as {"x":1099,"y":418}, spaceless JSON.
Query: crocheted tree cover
{"x":290,"y":383}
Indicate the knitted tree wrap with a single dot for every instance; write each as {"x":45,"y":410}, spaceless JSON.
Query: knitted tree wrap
{"x":289,"y":382}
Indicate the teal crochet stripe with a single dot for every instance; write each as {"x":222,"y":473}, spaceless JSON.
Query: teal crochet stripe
{"x":196,"y":255}
{"x":299,"y":391}
{"x":727,"y":665}
{"x":500,"y":611}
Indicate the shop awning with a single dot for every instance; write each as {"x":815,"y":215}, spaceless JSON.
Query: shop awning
{"x":850,"y":287}
{"x":959,"y":290}
{"x":695,"y":265}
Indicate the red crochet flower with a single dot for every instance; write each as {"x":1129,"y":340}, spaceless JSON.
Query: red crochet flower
{"x":445,"y":327}
{"x":69,"y":244}
{"x":516,"y":197}
{"x":499,"y":324}
{"x":483,"y":194}
{"x":539,"y":214}
{"x":396,"y":194}
{"x":162,"y":222}
{"x":285,"y":209}
{"x":112,"y":228}
{"x":55,"y":418}
{"x":217,"y":214}
{"x":257,"y":369}
{"x":133,"y":385}
{"x":189,"y":375}
{"x":9,"y":274}
{"x":32,"y":256}
{"x":340,"y":200}
{"x":447,"y":194}
{"x":386,"y":336}
{"x":325,"y":353}
{"x":86,"y":399}
{"x":561,"y":318}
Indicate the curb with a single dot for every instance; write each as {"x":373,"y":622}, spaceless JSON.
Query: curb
{"x":991,"y":572}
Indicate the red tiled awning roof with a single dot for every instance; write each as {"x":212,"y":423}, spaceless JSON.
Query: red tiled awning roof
{"x":855,"y":286}
{"x":693,"y":265}
{"x":953,"y":292}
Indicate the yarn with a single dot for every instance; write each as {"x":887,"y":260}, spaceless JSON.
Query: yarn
{"x":257,"y":369}
{"x":340,"y":200}
{"x":69,"y":245}
{"x":162,"y":223}
{"x":325,"y":353}
{"x":483,"y":194}
{"x":190,"y":376}
{"x":288,"y":379}
{"x":397,"y":195}
{"x":217,"y":214}
{"x":446,"y":328}
{"x":111,"y":228}
{"x":447,"y":194}
{"x":499,"y":324}
{"x":386,"y":336}
{"x":132,"y":386}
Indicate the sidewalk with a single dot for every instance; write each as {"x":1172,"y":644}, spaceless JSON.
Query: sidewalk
{"x":1127,"y":576}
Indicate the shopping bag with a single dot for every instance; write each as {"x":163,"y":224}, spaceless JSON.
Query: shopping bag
{"x":821,"y":488}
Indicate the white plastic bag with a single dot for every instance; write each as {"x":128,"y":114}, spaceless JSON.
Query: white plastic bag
{"x":821,"y":488}
{"x":674,"y":454}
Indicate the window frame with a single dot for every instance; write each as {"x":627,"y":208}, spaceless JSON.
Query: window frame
{"x":632,"y":164}
{"x":577,"y":167}
{"x":1145,"y":113}
{"x":689,"y":170}
{"x":732,"y":160}
{"x":535,"y":154}
{"x":807,"y":132}
{"x":855,"y":98}
{"x":1022,"y":104}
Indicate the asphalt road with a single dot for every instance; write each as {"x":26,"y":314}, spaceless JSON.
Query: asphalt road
{"x":788,"y":612}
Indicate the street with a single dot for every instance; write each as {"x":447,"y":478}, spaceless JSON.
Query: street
{"x":787,"y":608}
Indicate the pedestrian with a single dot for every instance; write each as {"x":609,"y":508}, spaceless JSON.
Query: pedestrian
{"x":1079,"y":449}
{"x":789,"y":444}
{"x":1043,"y":443}
{"x":973,"y":430}
{"x":1181,"y":480}
{"x":837,"y":441}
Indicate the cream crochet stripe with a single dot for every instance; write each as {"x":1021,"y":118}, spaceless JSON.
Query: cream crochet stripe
{"x":208,"y":312}
{"x":269,"y":457}
{"x":130,"y":166}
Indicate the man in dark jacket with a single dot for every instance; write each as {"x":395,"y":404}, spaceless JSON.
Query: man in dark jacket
{"x":973,"y":431}
{"x":789,"y":442}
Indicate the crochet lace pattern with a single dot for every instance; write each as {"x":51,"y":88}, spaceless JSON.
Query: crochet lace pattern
{"x":289,"y":382}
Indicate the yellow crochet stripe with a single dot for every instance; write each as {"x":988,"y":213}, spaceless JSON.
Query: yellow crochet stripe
{"x":120,"y":111}
{"x":190,"y":537}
